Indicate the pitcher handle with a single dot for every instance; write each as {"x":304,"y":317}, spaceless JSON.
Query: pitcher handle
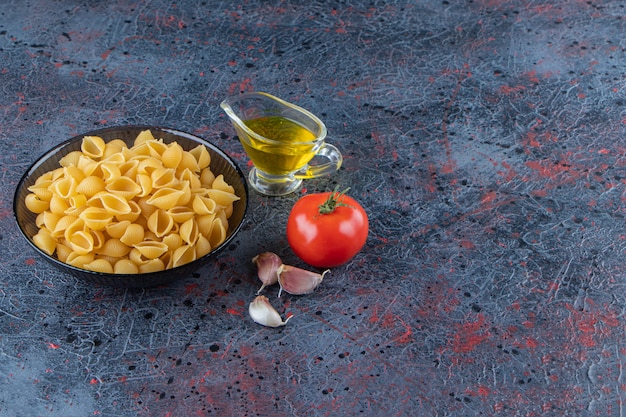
{"x":330,"y":162}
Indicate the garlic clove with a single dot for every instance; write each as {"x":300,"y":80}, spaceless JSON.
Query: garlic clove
{"x":267,"y":264}
{"x":298,"y":281}
{"x":263,"y":313}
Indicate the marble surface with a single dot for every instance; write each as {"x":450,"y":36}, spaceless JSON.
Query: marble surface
{"x":484,"y":138}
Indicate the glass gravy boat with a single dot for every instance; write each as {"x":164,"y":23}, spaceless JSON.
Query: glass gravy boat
{"x":284,"y":142}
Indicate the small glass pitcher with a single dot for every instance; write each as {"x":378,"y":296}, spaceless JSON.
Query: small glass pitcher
{"x":284,"y":142}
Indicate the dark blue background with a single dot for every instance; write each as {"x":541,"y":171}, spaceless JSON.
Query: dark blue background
{"x":484,"y":138}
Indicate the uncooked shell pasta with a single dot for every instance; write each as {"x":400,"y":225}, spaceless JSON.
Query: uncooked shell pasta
{"x":114,"y":209}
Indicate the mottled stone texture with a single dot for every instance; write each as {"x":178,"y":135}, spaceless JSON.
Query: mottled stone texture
{"x":485,"y":139}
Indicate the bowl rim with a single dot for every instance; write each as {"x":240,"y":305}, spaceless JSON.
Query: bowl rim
{"x":75,"y":271}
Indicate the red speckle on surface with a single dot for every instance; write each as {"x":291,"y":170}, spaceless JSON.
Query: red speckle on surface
{"x":506,"y":89}
{"x":469,"y":335}
{"x":242,"y":86}
{"x":106,"y":54}
{"x":531,"y":342}
{"x":192,"y":288}
{"x":548,"y":169}
{"x":489,"y":197}
{"x":374,"y":316}
{"x":30,"y":261}
{"x":234,"y":312}
{"x":467,"y":244}
{"x":405,"y":337}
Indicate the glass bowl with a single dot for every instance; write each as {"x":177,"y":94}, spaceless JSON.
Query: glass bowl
{"x":220,"y":164}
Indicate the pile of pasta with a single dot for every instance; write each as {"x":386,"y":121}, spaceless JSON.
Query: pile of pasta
{"x":114,"y":209}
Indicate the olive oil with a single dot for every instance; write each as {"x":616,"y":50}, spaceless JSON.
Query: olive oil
{"x":290,"y":147}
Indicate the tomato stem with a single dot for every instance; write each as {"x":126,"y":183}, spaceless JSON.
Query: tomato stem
{"x":332,"y":202}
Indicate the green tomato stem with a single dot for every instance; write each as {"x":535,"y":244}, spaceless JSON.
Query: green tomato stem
{"x":332,"y":202}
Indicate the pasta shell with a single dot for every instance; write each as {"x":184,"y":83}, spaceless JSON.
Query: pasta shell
{"x":145,"y":182}
{"x":88,"y":166}
{"x":163,"y":177}
{"x":90,"y":186}
{"x":79,"y":260}
{"x":134,"y":234}
{"x":186,"y":195}
{"x":172,"y":156}
{"x":50,"y":220}
{"x":110,"y":171}
{"x":203,"y":205}
{"x":129,"y":168}
{"x":74,"y":172}
{"x":160,"y":223}
{"x":205,"y":223}
{"x":219,"y":183}
{"x":152,"y":265}
{"x":136,"y":257}
{"x":191,"y":178}
{"x":37,"y":205}
{"x":173,"y":241}
{"x":44,"y":241}
{"x":146,"y":208}
{"x":112,"y":203}
{"x":181,"y":214}
{"x":165,"y":198}
{"x":182,"y":255}
{"x":137,"y":152}
{"x":218,"y":233}
{"x":203,"y":246}
{"x":39,"y":219}
{"x":221,"y":216}
{"x":147,"y":165}
{"x":58,"y":205}
{"x":99,"y":265}
{"x":156,"y":147}
{"x":143,"y":136}
{"x":98,"y":239}
{"x":222,"y":198}
{"x":70,"y":159}
{"x":63,"y":187}
{"x":114,"y":248}
{"x":57,"y":174}
{"x":77,"y":201}
{"x":207,"y":177}
{"x":202,"y":156}
{"x":96,"y":218}
{"x":113,"y":147}
{"x":44,"y":178}
{"x":151,"y":249}
{"x":93,"y":146}
{"x":63,"y":224}
{"x":40,"y":189}
{"x":62,"y":252}
{"x":117,"y":229}
{"x":189,"y":231}
{"x":124,"y":186}
{"x":228,"y":210}
{"x":125,"y":266}
{"x":188,"y":162}
{"x":114,"y":159}
{"x":81,"y":242}
{"x":133,"y":215}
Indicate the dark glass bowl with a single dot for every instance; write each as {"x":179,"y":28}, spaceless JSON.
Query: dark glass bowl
{"x":220,"y":164}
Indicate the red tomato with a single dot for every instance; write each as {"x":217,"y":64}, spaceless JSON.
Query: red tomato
{"x":327,"y":229}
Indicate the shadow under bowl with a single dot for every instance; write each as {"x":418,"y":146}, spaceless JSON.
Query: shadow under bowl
{"x":221,"y":163}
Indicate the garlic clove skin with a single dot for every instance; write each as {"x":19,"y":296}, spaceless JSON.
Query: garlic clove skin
{"x":263,"y":313}
{"x":298,"y":281}
{"x":267,"y":265}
